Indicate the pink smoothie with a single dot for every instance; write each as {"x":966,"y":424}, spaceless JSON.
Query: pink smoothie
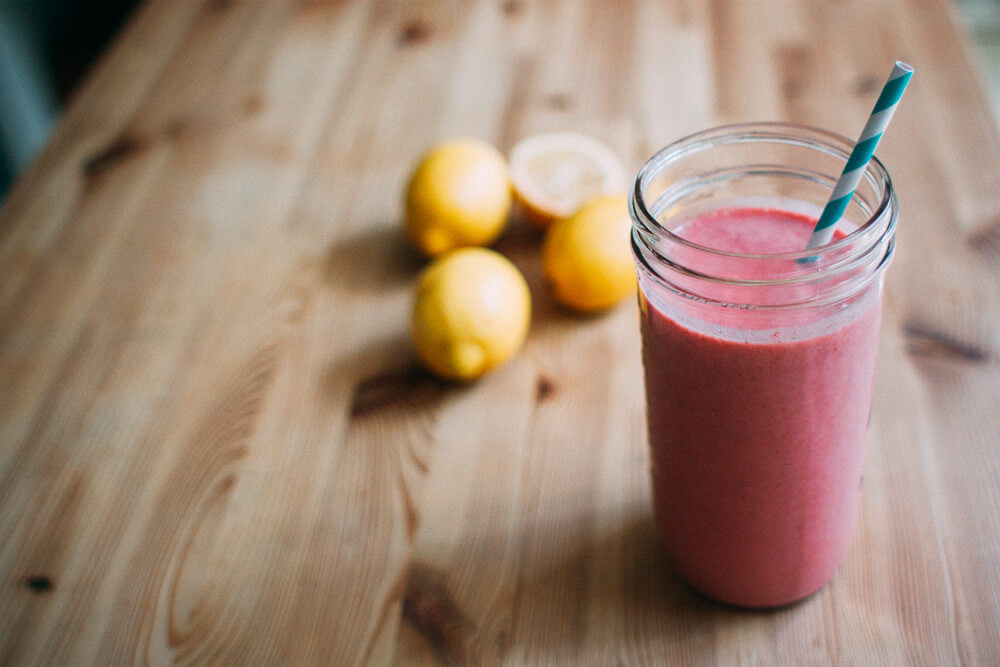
{"x":757,"y":433}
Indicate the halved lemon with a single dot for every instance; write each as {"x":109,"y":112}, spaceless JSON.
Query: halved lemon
{"x":555,"y":174}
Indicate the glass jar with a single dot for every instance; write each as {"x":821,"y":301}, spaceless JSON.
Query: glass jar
{"x":759,"y":366}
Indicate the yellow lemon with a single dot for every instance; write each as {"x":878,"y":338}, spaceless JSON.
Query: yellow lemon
{"x":554,"y":174}
{"x":471,"y":313}
{"x":588,"y":258}
{"x":458,"y":196}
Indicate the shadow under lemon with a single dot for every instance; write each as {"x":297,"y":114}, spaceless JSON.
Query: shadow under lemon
{"x":374,"y":261}
{"x":381,"y":260}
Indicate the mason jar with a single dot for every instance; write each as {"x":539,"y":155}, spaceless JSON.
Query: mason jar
{"x":759,"y":355}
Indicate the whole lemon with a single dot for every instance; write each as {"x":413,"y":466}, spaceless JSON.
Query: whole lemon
{"x":471,"y":313}
{"x":459,"y":195}
{"x":588,"y":258}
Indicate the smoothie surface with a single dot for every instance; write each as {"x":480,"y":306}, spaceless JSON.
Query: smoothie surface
{"x":751,"y":231}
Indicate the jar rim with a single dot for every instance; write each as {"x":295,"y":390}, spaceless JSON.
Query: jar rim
{"x":827,"y":142}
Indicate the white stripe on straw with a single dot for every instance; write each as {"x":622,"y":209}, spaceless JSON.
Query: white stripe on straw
{"x":857,"y":163}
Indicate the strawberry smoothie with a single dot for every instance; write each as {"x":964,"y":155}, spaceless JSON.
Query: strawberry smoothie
{"x":757,"y":416}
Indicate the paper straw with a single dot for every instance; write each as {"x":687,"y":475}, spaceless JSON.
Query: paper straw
{"x":879,"y":119}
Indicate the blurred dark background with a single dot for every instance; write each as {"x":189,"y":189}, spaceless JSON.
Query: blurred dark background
{"x":46,"y":49}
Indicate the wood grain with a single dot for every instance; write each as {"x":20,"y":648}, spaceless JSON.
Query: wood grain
{"x":216,"y":445}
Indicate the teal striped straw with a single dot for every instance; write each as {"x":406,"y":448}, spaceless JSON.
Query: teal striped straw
{"x":879,"y":119}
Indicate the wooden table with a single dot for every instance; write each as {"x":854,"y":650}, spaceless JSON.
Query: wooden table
{"x":216,"y":446}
